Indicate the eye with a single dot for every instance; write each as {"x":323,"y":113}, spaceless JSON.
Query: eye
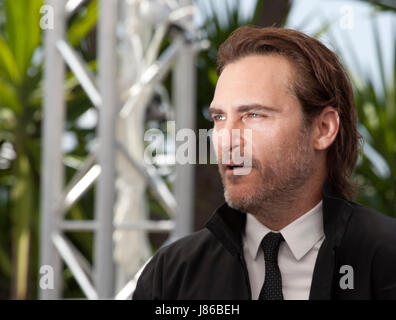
{"x":217,"y":117}
{"x":255,"y":115}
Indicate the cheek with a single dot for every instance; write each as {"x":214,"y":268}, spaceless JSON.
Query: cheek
{"x":268,"y":143}
{"x":265,"y":138}
{"x":215,"y":141}
{"x":261,"y":148}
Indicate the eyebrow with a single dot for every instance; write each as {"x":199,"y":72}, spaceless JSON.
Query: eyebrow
{"x":244,"y":108}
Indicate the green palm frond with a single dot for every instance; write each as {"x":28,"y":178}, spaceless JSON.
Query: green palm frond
{"x":376,"y":106}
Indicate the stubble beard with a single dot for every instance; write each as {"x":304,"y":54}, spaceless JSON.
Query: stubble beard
{"x":278,"y":184}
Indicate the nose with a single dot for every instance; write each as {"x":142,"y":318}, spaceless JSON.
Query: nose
{"x":230,"y":140}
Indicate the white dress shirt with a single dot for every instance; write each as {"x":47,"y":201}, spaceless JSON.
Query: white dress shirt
{"x":296,"y":257}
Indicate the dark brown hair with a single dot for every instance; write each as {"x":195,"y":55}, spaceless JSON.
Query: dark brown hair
{"x":319,"y":81}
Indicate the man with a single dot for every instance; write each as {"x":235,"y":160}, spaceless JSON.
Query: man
{"x":287,"y":229}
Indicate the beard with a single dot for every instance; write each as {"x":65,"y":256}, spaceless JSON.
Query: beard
{"x":275,"y":185}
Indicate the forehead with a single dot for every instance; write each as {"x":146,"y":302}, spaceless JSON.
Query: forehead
{"x":265,"y":79}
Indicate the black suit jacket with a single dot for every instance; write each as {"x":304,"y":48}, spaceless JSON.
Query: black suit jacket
{"x":209,"y":264}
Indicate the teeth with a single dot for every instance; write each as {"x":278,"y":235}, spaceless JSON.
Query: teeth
{"x":241,"y":170}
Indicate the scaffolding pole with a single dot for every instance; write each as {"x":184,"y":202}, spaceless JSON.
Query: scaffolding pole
{"x":97,"y":281}
{"x":184,"y":83}
{"x":105,"y":194}
{"x":52,"y":165}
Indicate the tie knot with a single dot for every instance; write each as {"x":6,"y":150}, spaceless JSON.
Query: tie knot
{"x":270,"y":245}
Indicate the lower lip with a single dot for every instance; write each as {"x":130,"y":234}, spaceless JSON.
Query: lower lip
{"x":242,"y":171}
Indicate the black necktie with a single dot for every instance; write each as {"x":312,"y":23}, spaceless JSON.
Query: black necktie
{"x":272,"y":287}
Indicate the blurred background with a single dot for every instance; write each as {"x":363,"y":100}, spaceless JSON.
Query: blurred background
{"x":363,"y":33}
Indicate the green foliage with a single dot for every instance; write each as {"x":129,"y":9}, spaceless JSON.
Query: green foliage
{"x":83,"y":24}
{"x":377,"y":114}
{"x":19,"y":39}
{"x":376,"y":107}
{"x":384,"y":5}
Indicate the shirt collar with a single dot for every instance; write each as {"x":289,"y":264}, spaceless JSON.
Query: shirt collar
{"x":300,"y":235}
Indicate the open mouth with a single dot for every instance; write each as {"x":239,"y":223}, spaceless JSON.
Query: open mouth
{"x":238,"y":168}
{"x":232,"y":167}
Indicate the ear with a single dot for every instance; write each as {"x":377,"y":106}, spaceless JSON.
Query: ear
{"x":326,"y":127}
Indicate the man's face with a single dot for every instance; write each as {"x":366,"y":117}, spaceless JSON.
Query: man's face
{"x":254,"y":93}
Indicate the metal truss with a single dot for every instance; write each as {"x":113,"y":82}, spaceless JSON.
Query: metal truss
{"x":100,"y":167}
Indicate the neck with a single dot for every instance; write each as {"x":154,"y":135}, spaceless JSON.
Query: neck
{"x":281,"y":212}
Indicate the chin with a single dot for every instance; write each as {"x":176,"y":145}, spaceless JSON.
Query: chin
{"x":238,"y":196}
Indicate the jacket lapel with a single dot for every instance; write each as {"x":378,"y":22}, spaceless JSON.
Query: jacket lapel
{"x":336,"y":213}
{"x":227,"y":225}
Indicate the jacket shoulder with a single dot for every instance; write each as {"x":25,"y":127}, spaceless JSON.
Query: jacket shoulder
{"x":189,"y":245}
{"x":171,"y":261}
{"x":373,"y":234}
{"x":372,"y":223}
